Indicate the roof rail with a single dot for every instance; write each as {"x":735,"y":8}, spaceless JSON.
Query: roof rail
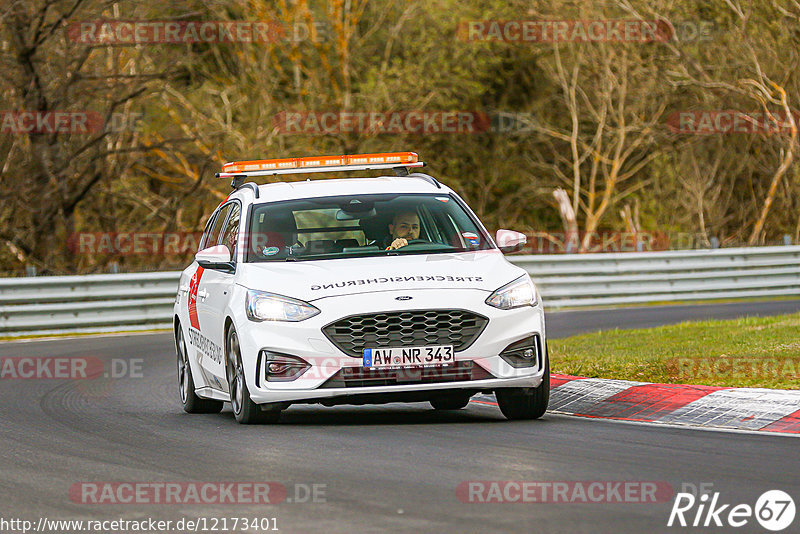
{"x":427,"y":177}
{"x":238,"y":183}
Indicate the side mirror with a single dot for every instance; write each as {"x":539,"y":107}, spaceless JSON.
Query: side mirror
{"x":218,"y":257}
{"x":510,"y":241}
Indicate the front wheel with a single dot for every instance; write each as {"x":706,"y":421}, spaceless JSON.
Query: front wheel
{"x":524,"y":403}
{"x":191,"y":402}
{"x":245,"y":410}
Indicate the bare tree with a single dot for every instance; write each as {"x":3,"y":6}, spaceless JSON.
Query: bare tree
{"x":48,"y":172}
{"x":612,"y":127}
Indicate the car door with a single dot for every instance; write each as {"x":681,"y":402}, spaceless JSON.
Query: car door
{"x":214,"y":290}
{"x":205,"y":346}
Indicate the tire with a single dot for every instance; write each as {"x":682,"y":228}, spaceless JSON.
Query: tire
{"x":449,"y":403}
{"x":245,"y":410}
{"x":524,"y":403}
{"x":191,"y":402}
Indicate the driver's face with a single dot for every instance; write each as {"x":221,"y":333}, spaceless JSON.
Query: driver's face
{"x":406,"y":225}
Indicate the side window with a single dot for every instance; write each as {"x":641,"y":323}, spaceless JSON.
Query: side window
{"x":216,"y":229}
{"x":231,"y":232}
{"x":206,"y":232}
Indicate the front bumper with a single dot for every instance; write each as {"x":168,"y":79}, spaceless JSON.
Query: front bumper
{"x":306,"y":340}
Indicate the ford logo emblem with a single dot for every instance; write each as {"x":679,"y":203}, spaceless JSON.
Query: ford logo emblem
{"x":404,"y":297}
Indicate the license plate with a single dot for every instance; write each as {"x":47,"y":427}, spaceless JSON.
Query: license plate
{"x":409,"y":357}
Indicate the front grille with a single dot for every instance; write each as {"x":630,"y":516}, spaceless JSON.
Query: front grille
{"x":414,"y":328}
{"x":358,"y":377}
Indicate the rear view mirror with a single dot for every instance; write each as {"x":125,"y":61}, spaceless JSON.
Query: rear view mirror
{"x":347,"y":215}
{"x":510,"y":241}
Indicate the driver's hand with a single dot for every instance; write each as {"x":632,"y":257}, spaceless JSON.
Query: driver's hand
{"x":397,"y":243}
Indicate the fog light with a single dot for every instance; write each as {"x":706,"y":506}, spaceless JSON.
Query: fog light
{"x":523,"y":353}
{"x":274,"y":368}
{"x":283,"y":367}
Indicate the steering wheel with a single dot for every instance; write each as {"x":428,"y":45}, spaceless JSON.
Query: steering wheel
{"x":412,"y":242}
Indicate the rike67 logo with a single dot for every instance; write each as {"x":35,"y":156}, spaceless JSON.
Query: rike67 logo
{"x":774,"y":510}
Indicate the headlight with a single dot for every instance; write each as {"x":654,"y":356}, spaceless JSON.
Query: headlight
{"x":263,"y":306}
{"x":520,"y":292}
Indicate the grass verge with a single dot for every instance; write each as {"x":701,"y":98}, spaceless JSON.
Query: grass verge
{"x":746,"y":352}
{"x":674,"y":303}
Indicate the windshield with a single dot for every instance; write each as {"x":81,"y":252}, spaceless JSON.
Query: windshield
{"x":366,"y":225}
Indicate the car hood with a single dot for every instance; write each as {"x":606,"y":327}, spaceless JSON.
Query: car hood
{"x":313,"y":280}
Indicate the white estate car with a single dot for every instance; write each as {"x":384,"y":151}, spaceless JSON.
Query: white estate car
{"x":355,"y":291}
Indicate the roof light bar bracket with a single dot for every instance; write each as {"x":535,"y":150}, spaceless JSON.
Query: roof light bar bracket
{"x":238,"y":182}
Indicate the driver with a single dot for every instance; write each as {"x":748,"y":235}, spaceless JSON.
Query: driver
{"x":403,"y":228}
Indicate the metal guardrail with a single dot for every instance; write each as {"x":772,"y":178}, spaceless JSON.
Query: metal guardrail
{"x":92,"y":303}
{"x":579,"y":280}
{"x":114,"y":302}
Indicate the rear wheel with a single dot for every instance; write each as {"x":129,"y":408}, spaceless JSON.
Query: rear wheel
{"x":526,"y":403}
{"x":191,"y":402}
{"x":245,"y":410}
{"x":449,"y":403}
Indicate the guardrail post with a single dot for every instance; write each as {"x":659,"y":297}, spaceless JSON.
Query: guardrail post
{"x":30,"y":270}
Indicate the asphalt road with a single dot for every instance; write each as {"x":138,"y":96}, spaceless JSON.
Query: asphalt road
{"x":383,"y":468}
{"x":570,"y":323}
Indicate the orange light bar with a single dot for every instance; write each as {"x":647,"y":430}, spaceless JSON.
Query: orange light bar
{"x":399,"y":158}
